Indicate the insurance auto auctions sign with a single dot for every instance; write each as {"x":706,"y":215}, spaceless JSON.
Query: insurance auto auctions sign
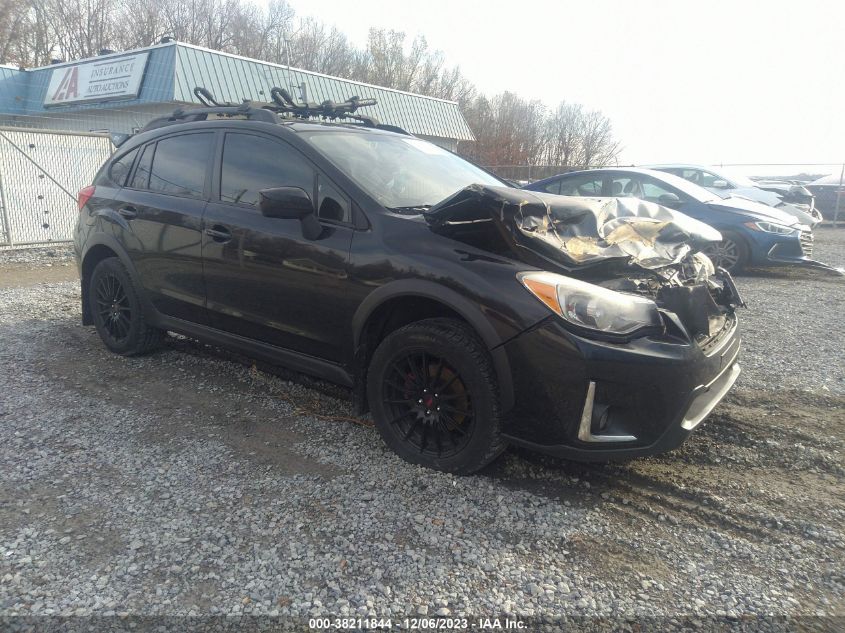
{"x":113,"y":78}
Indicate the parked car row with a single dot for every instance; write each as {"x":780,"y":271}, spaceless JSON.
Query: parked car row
{"x":719,"y":181}
{"x":753,"y":234}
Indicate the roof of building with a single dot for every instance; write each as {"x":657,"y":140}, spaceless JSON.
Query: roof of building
{"x":174,"y":69}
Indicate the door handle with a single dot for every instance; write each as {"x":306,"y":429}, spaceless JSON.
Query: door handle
{"x":128,"y":212}
{"x":219,"y":233}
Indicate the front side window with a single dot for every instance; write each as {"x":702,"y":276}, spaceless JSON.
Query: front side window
{"x":179,"y":164}
{"x":656,"y":192}
{"x":707,"y":179}
{"x":398,"y":171}
{"x":252,"y":163}
{"x":332,"y":205}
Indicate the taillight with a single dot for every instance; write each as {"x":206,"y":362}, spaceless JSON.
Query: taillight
{"x":84,"y":195}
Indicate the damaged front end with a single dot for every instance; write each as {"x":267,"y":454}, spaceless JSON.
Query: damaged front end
{"x":626,"y":245}
{"x":644,"y":342}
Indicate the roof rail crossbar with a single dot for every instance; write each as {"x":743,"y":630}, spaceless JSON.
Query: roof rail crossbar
{"x":283,"y":103}
{"x":182,"y":115}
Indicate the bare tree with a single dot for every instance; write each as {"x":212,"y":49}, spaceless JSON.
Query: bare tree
{"x":509,"y":130}
{"x":597,"y":144}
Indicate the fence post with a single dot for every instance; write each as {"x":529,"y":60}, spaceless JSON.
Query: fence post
{"x":838,"y":197}
{"x":7,"y":228}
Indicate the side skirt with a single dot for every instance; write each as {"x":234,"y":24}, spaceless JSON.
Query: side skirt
{"x":295,"y":361}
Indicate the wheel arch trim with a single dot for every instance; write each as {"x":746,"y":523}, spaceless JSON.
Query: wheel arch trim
{"x":110,"y":242}
{"x":452,"y":300}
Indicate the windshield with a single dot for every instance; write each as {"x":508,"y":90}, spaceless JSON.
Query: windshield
{"x":737,"y":179}
{"x":398,"y":171}
{"x":693,"y":190}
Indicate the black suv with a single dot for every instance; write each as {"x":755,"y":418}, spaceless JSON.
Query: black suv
{"x":464,"y":314}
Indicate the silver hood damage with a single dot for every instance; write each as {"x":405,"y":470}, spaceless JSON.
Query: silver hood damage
{"x":624,"y":244}
{"x":578,"y":231}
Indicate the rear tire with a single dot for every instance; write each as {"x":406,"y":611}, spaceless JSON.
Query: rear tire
{"x":731,"y":253}
{"x":116,"y":310}
{"x":434,"y":396}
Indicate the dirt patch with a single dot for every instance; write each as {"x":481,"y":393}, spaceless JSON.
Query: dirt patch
{"x":13,"y":275}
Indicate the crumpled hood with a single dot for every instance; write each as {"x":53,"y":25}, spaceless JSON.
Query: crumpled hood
{"x":577,"y":231}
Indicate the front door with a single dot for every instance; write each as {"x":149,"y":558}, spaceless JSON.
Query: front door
{"x":263,"y":279}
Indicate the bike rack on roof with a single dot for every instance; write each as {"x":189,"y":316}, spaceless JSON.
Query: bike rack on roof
{"x":282,"y":103}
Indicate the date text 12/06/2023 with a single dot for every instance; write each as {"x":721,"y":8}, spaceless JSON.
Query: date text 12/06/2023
{"x":416,"y":623}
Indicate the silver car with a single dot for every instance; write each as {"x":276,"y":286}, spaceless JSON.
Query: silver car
{"x":721,"y":182}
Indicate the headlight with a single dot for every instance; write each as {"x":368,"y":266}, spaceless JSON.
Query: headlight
{"x":770,"y":227}
{"x":589,"y":306}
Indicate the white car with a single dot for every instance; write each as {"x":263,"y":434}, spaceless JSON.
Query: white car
{"x":721,"y":182}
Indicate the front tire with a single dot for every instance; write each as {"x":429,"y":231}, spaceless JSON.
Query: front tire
{"x":116,"y":308}
{"x":731,"y":253}
{"x":434,"y":396}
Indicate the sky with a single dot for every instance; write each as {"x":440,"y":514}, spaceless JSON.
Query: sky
{"x":707,"y":82}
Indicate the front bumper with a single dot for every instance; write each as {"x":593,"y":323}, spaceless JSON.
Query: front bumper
{"x":597,"y":401}
{"x":798,"y":252}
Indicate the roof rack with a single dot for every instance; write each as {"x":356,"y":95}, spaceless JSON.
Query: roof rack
{"x":282,"y":103}
{"x":212,"y":107}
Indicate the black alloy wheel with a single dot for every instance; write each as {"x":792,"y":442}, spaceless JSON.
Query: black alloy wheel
{"x":114,"y":313}
{"x":434,"y":396}
{"x":114,"y":304}
{"x":429,"y":403}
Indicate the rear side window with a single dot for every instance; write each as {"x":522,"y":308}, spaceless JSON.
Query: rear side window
{"x":586,"y":185}
{"x":552,"y":187}
{"x":179,"y":164}
{"x":252,"y":163}
{"x":121,"y":167}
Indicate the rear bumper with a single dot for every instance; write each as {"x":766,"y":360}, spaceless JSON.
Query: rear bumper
{"x":605,"y":401}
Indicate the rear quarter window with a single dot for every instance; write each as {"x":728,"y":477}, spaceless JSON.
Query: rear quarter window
{"x":120,"y":167}
{"x":141,"y":177}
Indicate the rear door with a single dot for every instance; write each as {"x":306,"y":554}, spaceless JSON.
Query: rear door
{"x":263,"y":279}
{"x":162,"y":203}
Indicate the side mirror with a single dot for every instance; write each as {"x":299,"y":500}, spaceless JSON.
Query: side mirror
{"x":720,"y":184}
{"x":291,"y":203}
{"x":670,"y":200}
{"x":287,"y":203}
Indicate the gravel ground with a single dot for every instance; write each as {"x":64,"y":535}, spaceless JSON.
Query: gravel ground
{"x":188,"y":483}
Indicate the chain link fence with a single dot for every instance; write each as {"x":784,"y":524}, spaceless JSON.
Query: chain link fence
{"x":524,"y":174}
{"x":40,"y":175}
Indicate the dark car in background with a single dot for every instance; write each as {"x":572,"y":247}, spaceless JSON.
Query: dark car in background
{"x":381,"y":262}
{"x":794,"y":193}
{"x":753,"y":234}
{"x":829,"y":192}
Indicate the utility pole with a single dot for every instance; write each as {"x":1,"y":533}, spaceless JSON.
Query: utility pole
{"x":838,"y":196}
